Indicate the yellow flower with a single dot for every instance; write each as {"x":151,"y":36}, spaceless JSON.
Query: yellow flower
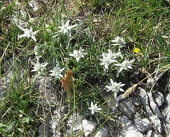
{"x":136,"y":50}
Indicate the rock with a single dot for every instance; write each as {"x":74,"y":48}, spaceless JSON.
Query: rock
{"x":168,"y":98}
{"x":156,"y":123}
{"x":44,"y":129}
{"x":77,"y":126}
{"x":64,"y":109}
{"x":56,"y":134}
{"x":130,"y":129}
{"x":103,"y":132}
{"x":120,"y":97}
{"x":133,"y":133}
{"x":88,"y":127}
{"x":134,"y":101}
{"x":127,"y":108}
{"x":154,"y":107}
{"x":3,"y":91}
{"x":167,"y":121}
{"x":46,"y":88}
{"x":54,"y":122}
{"x":159,"y":99}
{"x":5,"y":81}
{"x":149,"y":133}
{"x":142,"y":124}
{"x":144,"y":99}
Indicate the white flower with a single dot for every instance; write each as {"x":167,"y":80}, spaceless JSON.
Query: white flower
{"x":107,"y":59}
{"x":39,"y":67}
{"x":33,"y":4}
{"x":94,"y":108}
{"x":115,"y":87}
{"x":78,"y":54}
{"x":126,"y":64}
{"x":56,"y":72}
{"x":119,"y":41}
{"x":65,"y":28}
{"x":27,"y":33}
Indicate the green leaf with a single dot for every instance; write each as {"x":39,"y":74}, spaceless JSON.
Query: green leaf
{"x":26,"y":120}
{"x":10,"y":126}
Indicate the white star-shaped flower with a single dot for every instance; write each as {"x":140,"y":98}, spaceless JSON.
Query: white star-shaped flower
{"x":65,"y":28}
{"x":115,"y":87}
{"x":39,"y":67}
{"x":78,"y":54}
{"x":107,"y":59}
{"x":56,"y":72}
{"x":126,"y":64}
{"x":27,"y":33}
{"x":119,"y":41}
{"x":94,"y":108}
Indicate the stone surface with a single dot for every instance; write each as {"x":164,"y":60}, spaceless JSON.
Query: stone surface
{"x":132,"y":132}
{"x":134,"y":101}
{"x":141,"y":124}
{"x":127,"y":108}
{"x":77,"y":126}
{"x":130,"y":129}
{"x":88,"y":126}
{"x":156,"y":123}
{"x":159,"y":99}
{"x":44,"y":130}
{"x":154,"y":107}
{"x":144,"y":99}
{"x":4,"y":82}
{"x":103,"y":132}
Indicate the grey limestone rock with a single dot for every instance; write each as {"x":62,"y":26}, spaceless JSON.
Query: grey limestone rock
{"x":142,"y":124}
{"x":127,"y":108}
{"x":159,"y":99}
{"x":77,"y":126}
{"x":154,"y":107}
{"x":130,"y":129}
{"x":156,"y":123}
{"x":103,"y":132}
{"x":144,"y":99}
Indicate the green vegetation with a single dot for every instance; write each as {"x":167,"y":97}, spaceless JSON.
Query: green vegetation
{"x":94,"y":27}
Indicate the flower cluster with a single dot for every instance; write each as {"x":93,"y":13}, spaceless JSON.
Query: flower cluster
{"x":108,"y":58}
{"x":113,"y":59}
